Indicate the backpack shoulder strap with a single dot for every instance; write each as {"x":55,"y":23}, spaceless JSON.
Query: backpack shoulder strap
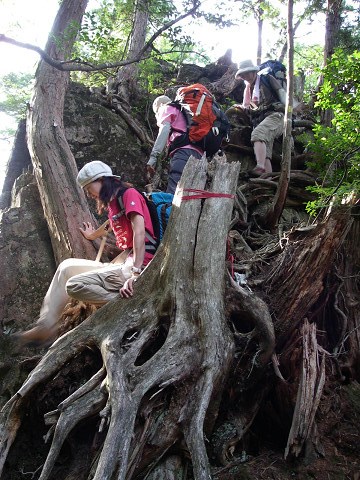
{"x":119,"y":195}
{"x":153,"y":242}
{"x":264,"y":78}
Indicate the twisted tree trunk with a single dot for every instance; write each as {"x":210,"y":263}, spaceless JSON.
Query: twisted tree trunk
{"x":63,"y":202}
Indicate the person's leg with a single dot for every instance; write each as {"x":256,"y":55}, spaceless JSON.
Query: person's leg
{"x":260,"y":155}
{"x":268,"y":166}
{"x":56,"y":298}
{"x":99,"y":286}
{"x":265,"y":133}
{"x":177,"y":165}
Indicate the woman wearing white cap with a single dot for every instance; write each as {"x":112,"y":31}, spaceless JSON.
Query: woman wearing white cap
{"x":171,"y":125}
{"x":90,"y":280}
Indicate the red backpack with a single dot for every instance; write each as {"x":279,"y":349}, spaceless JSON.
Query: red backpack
{"x":207,"y":124}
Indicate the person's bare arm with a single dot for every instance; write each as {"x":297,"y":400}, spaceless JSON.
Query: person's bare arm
{"x":138,"y":226}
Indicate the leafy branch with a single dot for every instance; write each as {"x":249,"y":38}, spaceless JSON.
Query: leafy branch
{"x":80,"y":66}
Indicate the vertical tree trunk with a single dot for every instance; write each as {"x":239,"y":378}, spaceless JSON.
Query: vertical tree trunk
{"x":332,"y":28}
{"x":64,"y":203}
{"x":127,"y":78}
{"x":278,"y":202}
{"x":260,"y":23}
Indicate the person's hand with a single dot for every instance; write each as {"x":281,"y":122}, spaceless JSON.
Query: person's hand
{"x":150,"y":172}
{"x":127,"y":290}
{"x":88,"y":230}
{"x":238,"y":106}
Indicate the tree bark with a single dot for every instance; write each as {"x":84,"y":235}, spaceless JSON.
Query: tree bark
{"x":127,"y":85}
{"x":297,"y":287}
{"x":346,"y":302}
{"x":332,"y":28}
{"x":260,"y":22}
{"x":64,"y":203}
{"x":312,"y":380}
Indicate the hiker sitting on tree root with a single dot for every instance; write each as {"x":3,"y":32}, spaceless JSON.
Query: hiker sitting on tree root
{"x":172,"y":124}
{"x":92,"y":281}
{"x":265,"y":99}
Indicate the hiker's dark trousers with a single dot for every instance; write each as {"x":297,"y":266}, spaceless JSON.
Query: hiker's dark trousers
{"x":177,"y":165}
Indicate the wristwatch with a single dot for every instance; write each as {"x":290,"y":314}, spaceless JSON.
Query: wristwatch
{"x":135,"y":270}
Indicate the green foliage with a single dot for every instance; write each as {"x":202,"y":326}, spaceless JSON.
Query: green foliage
{"x":106,"y":31}
{"x":67,"y":37}
{"x":105,"y":37}
{"x":15,"y":91}
{"x":259,"y":9}
{"x":349,"y":35}
{"x":307,"y":61}
{"x":337,"y":148}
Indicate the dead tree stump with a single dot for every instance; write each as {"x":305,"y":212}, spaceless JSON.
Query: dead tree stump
{"x":170,"y":340}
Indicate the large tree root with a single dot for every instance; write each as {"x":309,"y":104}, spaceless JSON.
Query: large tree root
{"x":171,"y":334}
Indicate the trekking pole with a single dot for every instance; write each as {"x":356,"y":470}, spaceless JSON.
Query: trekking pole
{"x":101,"y":249}
{"x":103,"y":241}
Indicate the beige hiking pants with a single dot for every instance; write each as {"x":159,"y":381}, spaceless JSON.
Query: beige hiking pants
{"x":86,"y":280}
{"x":270,"y":128}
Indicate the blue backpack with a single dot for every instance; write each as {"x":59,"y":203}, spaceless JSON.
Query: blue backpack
{"x":159,"y":205}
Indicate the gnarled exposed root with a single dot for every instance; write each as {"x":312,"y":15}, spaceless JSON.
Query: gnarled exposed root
{"x":85,"y":406}
{"x":255,"y":309}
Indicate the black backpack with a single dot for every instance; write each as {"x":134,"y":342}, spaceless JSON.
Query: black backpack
{"x":274,"y":68}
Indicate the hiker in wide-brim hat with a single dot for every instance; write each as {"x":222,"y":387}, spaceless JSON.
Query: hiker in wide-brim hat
{"x":246,"y":66}
{"x":94,"y":281}
{"x":264,"y":98}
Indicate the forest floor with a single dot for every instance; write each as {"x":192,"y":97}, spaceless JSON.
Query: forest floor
{"x":338,"y":423}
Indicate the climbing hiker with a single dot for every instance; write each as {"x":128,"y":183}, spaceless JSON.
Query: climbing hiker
{"x":172,"y":125}
{"x":264,"y":98}
{"x":92,"y":281}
